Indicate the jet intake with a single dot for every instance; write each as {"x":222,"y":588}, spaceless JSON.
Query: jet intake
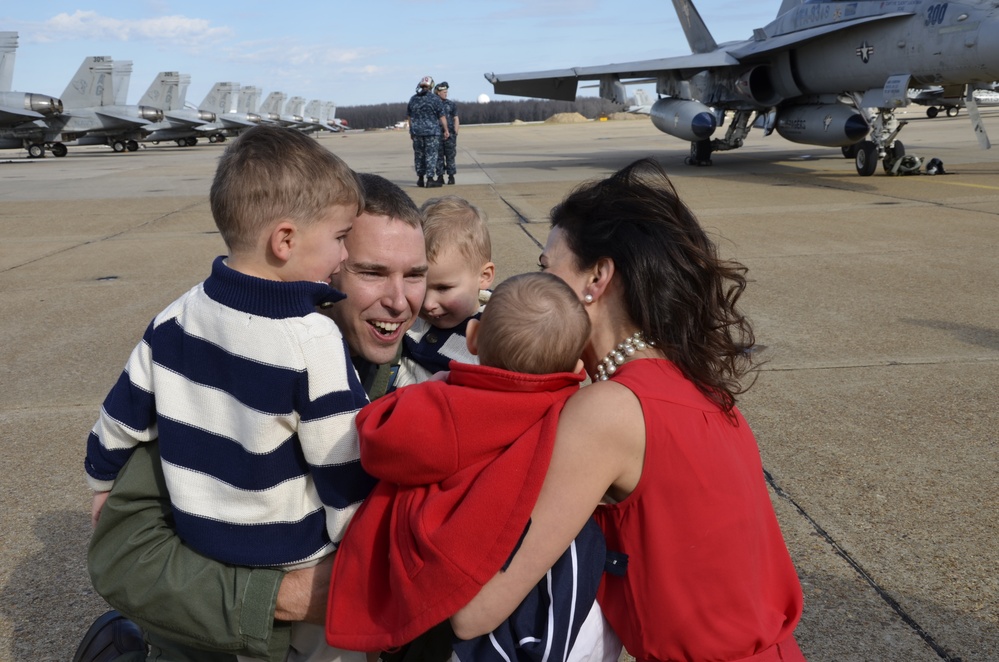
{"x":684,"y":119}
{"x":150,"y":113}
{"x":757,"y":86}
{"x":829,"y":125}
{"x":43,"y":104}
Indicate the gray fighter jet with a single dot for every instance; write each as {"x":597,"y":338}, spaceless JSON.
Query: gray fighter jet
{"x":317,"y":117}
{"x":90,"y":115}
{"x":951,"y":100}
{"x":168,"y":92}
{"x":224,"y":100}
{"x":96,"y":112}
{"x":20,"y":107}
{"x":274,"y":109}
{"x":824,"y":72}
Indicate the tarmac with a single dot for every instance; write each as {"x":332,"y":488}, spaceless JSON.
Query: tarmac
{"x":875,"y":300}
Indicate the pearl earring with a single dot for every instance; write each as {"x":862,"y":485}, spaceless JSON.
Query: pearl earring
{"x":587,"y":298}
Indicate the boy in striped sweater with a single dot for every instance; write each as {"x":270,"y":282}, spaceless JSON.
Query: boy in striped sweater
{"x":248,"y":387}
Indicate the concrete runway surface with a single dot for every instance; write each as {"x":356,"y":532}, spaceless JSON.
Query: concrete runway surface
{"x":876,"y":299}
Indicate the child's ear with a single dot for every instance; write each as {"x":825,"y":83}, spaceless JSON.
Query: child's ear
{"x":579,"y":366}
{"x":472,"y":337}
{"x":282,"y":240}
{"x":487,"y":275}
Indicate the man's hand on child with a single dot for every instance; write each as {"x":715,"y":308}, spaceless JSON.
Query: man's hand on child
{"x":96,"y":506}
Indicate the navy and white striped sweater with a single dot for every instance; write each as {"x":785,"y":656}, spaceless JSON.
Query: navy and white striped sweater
{"x":252,"y":396}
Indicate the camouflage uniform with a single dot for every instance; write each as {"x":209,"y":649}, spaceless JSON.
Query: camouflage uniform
{"x":449,"y":149}
{"x":425,"y":110}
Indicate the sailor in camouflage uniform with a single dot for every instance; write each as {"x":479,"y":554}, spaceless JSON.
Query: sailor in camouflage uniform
{"x":426,"y":126}
{"x":449,"y":147}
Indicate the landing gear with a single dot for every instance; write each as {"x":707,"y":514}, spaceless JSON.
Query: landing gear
{"x":59,"y":150}
{"x":132,"y":146}
{"x":700,"y":153}
{"x":213,"y":138}
{"x":952,"y":111}
{"x":192,"y":141}
{"x":895,"y":152}
{"x":932,"y":112}
{"x":866,"y":158}
{"x":849,"y":151}
{"x":119,"y":146}
{"x":36,"y":151}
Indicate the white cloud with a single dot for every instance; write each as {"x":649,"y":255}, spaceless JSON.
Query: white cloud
{"x":177,"y":30}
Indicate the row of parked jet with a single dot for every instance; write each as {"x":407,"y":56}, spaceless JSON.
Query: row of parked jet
{"x":93,"y":110}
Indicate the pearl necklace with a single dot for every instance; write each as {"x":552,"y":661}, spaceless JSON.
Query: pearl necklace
{"x":617,"y":356}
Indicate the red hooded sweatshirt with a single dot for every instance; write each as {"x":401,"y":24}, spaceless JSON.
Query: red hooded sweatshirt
{"x":461,"y":464}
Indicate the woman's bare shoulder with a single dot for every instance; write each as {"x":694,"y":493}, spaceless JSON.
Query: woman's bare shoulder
{"x":606,"y":414}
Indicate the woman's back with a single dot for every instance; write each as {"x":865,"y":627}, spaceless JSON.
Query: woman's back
{"x":709,"y":576}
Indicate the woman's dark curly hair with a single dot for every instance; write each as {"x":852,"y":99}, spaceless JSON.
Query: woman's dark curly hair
{"x":677,"y":290}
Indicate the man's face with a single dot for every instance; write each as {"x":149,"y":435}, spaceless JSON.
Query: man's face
{"x":385,"y":279}
{"x":442,"y":94}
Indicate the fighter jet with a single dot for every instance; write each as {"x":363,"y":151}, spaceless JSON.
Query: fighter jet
{"x":20,"y":107}
{"x":317,"y":117}
{"x":223,"y":100}
{"x":96,"y":112}
{"x":168,"y":92}
{"x":90,"y":115}
{"x":951,"y":100}
{"x":824,"y":72}
{"x":274,"y":109}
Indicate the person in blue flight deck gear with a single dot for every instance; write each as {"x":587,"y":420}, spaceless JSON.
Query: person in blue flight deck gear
{"x":426,"y":127}
{"x":449,"y":147}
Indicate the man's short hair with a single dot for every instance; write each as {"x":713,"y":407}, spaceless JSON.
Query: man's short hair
{"x":270,"y":173}
{"x":383,"y":198}
{"x":452,"y":222}
{"x":534,"y":323}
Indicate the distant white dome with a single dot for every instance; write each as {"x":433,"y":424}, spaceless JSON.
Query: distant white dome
{"x":483,"y":98}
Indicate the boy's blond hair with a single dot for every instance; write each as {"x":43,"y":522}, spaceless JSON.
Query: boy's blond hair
{"x":534,"y":323}
{"x":454,"y":222}
{"x":270,"y":173}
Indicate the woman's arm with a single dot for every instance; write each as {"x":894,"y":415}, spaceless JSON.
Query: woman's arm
{"x":600,"y":444}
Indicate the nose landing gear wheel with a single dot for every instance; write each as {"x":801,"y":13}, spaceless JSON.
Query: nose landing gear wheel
{"x":866,"y":159}
{"x":36,"y":151}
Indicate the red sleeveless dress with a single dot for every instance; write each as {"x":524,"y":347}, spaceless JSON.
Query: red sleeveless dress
{"x":708,"y":576}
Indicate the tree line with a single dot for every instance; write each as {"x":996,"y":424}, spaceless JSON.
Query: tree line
{"x":382,"y":115}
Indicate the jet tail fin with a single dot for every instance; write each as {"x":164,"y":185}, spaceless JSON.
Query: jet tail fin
{"x":162,"y":92}
{"x":91,"y":85}
{"x":219,"y":98}
{"x":698,"y":36}
{"x":121,"y":77}
{"x":249,"y":96}
{"x":8,"y":49}
{"x":273,"y":103}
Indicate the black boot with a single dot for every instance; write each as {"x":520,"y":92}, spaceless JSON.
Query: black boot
{"x":434,"y":183}
{"x":419,"y":181}
{"x":450,"y":179}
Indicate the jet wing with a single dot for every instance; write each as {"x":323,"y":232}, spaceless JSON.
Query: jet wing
{"x":122,"y":117}
{"x":10,"y":116}
{"x":562,"y":84}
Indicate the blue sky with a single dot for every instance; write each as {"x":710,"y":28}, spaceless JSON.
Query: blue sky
{"x":356,"y":52}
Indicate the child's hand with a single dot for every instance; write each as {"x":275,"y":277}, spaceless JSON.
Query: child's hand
{"x":98,"y":504}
